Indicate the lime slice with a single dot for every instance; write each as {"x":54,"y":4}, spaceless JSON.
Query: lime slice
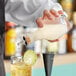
{"x":30,"y":57}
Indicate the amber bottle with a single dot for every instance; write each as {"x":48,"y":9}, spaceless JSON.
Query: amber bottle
{"x":71,"y":42}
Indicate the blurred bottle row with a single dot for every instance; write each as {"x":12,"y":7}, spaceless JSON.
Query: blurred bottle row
{"x":69,"y":6}
{"x":14,"y":44}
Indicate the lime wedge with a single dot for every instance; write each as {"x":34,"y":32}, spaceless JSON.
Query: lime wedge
{"x":30,"y":57}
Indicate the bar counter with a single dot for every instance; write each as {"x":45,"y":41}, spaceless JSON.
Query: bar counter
{"x":58,"y":60}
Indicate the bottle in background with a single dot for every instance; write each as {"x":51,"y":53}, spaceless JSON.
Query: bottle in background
{"x":62,"y":45}
{"x":10,"y":36}
{"x":71,"y":43}
{"x":13,"y":39}
{"x":74,"y":6}
{"x":37,"y":47}
{"x":18,"y":41}
{"x":29,"y":31}
{"x":67,"y":7}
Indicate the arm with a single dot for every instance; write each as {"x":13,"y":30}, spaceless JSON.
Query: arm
{"x":23,"y":12}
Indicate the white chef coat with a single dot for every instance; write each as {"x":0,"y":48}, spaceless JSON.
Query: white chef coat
{"x":25,"y":12}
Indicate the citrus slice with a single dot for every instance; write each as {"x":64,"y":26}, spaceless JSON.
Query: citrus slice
{"x":30,"y":57}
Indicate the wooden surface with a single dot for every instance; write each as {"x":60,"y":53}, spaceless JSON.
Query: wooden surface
{"x":58,"y":60}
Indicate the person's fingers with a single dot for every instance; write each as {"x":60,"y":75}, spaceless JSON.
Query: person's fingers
{"x":60,"y":12}
{"x":55,"y":13}
{"x":44,"y":14}
{"x":47,"y":14}
{"x":39,"y":22}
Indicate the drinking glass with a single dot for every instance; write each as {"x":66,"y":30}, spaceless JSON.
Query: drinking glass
{"x":19,"y":68}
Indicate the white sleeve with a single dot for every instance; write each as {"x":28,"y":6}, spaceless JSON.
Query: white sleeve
{"x":25,"y":12}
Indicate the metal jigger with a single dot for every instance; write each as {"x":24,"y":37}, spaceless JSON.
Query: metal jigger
{"x":48,"y":61}
{"x":49,"y":49}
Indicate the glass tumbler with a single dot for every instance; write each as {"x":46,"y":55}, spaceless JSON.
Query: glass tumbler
{"x":19,"y":68}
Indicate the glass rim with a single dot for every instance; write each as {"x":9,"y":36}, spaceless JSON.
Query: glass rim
{"x":15,"y":59}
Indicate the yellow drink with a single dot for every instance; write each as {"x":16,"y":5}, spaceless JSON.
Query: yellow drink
{"x":21,"y":66}
{"x":20,"y":69}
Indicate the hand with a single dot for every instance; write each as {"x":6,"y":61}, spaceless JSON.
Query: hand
{"x":49,"y":17}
